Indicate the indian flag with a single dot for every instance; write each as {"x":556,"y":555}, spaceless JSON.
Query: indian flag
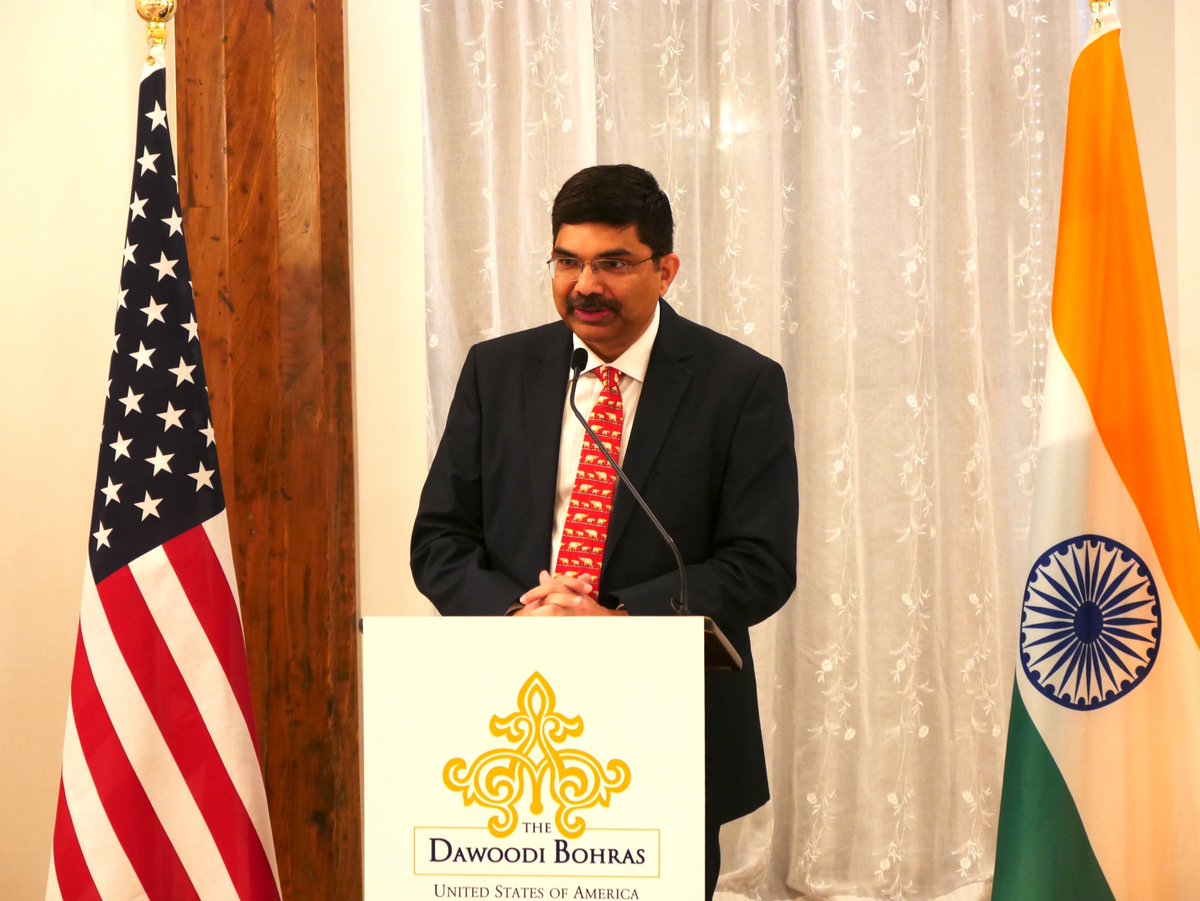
{"x":1102,"y":780}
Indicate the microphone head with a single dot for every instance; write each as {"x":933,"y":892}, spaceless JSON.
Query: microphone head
{"x":578,"y":361}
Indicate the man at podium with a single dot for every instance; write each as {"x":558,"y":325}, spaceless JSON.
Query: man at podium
{"x":522,"y":515}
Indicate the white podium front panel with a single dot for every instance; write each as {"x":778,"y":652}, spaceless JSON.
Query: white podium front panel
{"x":533,"y":758}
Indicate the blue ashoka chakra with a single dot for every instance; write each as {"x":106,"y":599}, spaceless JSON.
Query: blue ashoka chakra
{"x":1091,"y":622}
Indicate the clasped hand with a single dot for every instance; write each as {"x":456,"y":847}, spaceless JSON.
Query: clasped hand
{"x":560,"y":595}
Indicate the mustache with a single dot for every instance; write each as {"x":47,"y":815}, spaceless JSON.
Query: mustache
{"x":590,"y":303}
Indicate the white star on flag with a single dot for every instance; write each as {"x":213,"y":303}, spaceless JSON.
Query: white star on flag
{"x":142,"y":355}
{"x":131,"y":401}
{"x":137,"y":209}
{"x":164,"y":266}
{"x":182,"y":373}
{"x":191,"y":328}
{"x":148,"y":505}
{"x":170,"y":417}
{"x":153,"y":311}
{"x":110,"y":492}
{"x":174,"y":223}
{"x":101,"y":536}
{"x":160,"y":461}
{"x":203,"y":477}
{"x":121,"y":446}
{"x":158,"y":116}
{"x":129,"y":249}
{"x":146,"y":161}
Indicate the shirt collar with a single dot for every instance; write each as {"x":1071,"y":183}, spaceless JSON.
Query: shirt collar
{"x":636,"y":358}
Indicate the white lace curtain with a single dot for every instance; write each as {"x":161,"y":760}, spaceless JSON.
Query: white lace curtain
{"x":865,"y":190}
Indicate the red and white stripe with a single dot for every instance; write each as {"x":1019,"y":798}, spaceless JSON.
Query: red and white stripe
{"x":162,"y":795}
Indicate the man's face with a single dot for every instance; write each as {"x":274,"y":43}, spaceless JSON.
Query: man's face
{"x":609,"y":312}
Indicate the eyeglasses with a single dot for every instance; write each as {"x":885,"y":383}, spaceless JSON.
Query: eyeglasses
{"x":568,"y":269}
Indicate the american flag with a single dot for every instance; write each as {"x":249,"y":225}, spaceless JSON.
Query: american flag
{"x":161,"y":795}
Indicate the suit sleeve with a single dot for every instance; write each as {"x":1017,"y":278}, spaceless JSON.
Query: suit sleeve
{"x":448,"y":556}
{"x":751,"y":569}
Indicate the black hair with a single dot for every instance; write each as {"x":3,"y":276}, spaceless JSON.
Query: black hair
{"x":617,"y":195}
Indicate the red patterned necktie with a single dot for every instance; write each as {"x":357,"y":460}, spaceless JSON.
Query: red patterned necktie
{"x":582,"y":547}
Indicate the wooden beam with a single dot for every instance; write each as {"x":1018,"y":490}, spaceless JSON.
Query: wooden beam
{"x":262,"y":161}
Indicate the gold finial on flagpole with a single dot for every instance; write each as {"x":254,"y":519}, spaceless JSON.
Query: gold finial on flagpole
{"x":157,"y":14}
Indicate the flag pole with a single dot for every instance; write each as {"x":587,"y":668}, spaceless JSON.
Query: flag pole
{"x":157,"y":14}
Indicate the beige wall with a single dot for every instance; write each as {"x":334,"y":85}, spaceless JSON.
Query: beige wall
{"x":1159,"y":41}
{"x":1147,"y":43}
{"x":67,"y":106}
{"x":1187,"y":203}
{"x":61,"y":232}
{"x":387,"y":292}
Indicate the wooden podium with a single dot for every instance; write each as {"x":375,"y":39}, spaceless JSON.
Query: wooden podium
{"x":525,"y":758}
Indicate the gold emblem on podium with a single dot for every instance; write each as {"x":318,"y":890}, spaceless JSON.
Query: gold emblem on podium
{"x":567,"y":778}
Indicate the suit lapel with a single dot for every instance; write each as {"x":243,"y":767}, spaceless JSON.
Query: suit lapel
{"x":667,"y":380}
{"x":545,"y":387}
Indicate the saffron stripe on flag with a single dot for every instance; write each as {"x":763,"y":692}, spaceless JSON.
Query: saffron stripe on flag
{"x":181,"y":725}
{"x":1135,"y":407}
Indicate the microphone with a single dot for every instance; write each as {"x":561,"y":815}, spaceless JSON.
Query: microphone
{"x":578,"y":361}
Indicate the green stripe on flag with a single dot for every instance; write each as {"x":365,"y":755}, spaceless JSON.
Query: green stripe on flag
{"x":1042,"y":850}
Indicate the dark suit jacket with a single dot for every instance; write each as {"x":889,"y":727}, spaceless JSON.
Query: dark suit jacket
{"x":711,"y":451}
